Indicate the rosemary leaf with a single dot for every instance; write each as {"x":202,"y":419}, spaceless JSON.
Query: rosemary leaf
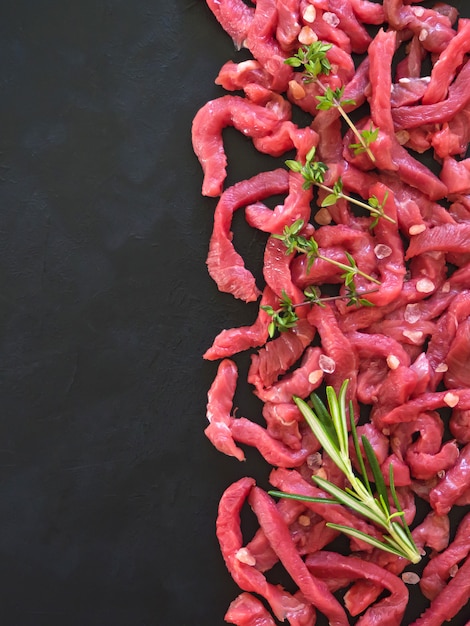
{"x":358,"y":534}
{"x":347,"y":499}
{"x":358,"y":495}
{"x":321,"y":434}
{"x":302,"y":498}
{"x":357,"y":448}
{"x":376,"y":472}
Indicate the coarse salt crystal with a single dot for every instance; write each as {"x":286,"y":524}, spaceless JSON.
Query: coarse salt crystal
{"x":451,"y":399}
{"x":314,"y":460}
{"x":424,"y":285}
{"x":393,"y":362}
{"x":315,"y":376}
{"x":287,"y":423}
{"x":296,"y":90}
{"x":246,"y":66}
{"x":244,"y":556}
{"x":416,"y":229}
{"x":412,"y":313}
{"x":402,"y":136}
{"x":386,"y":431}
{"x":307,"y":36}
{"x":441,"y":473}
{"x":442,"y":367}
{"x":310,"y":14}
{"x":453,"y":570}
{"x":323,"y":217}
{"x":304,"y":520}
{"x":423,"y":35}
{"x":415,"y":336}
{"x":321,"y":473}
{"x":418,"y":11}
{"x":404,"y":80}
{"x":446,"y":287}
{"x":410,"y":578}
{"x":382,"y":251}
{"x":327,"y":364}
{"x":330,"y":18}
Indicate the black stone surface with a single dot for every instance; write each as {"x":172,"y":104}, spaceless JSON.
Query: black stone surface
{"x":108,"y":487}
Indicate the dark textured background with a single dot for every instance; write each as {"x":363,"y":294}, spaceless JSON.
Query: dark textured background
{"x":108,"y":487}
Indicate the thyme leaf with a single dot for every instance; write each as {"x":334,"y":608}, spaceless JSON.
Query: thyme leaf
{"x":313,"y":173}
{"x":369,"y":136}
{"x":314,"y":62}
{"x":282,"y":318}
{"x":297,"y":243}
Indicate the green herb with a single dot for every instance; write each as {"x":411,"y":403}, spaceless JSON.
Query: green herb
{"x":368,"y":136}
{"x":377,"y":209}
{"x":330,"y":426}
{"x":331,"y":99}
{"x":313,"y":172}
{"x":356,"y":298}
{"x":314,"y":61}
{"x":297,"y":243}
{"x":313,"y":296}
{"x":283,"y":318}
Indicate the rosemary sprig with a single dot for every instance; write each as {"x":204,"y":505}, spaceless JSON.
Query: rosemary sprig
{"x":314,"y":61}
{"x":295,"y":242}
{"x":313,"y":173}
{"x":330,"y":426}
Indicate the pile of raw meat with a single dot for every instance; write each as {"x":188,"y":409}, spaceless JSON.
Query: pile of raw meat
{"x":407,"y":357}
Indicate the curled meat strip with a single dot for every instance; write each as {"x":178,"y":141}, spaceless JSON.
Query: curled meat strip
{"x":441,"y":567}
{"x":225,"y":265}
{"x":402,"y":343}
{"x":390,"y":610}
{"x":253,"y":120}
{"x":426,"y":456}
{"x":283,"y":604}
{"x":313,"y":588}
{"x":451,"y":599}
{"x":247,"y":610}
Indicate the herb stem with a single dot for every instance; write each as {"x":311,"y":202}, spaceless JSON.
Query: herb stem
{"x":330,"y":428}
{"x":347,"y":268}
{"x":357,"y":134}
{"x":359,"y":203}
{"x":333,"y":298}
{"x":314,"y":61}
{"x":337,"y":104}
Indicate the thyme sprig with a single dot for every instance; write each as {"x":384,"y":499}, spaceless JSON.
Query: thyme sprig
{"x":369,"y":135}
{"x":294,"y":242}
{"x":285,"y":317}
{"x":313,"y":296}
{"x":313,"y":172}
{"x":314,"y":61}
{"x":330,"y":426}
